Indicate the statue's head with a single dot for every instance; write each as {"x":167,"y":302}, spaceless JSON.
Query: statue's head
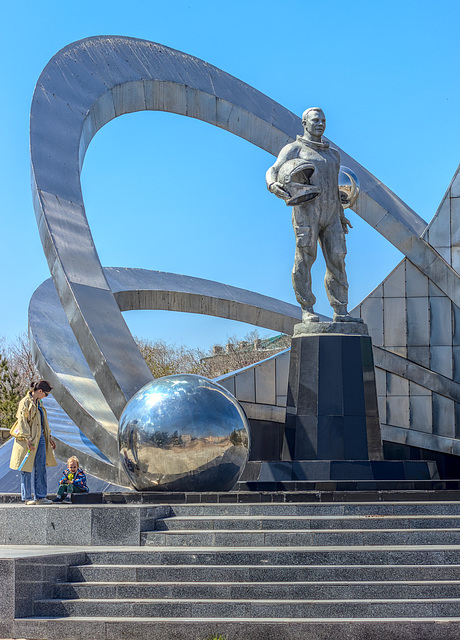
{"x":314,"y":121}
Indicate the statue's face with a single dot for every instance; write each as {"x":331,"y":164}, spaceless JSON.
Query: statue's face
{"x":315,"y":123}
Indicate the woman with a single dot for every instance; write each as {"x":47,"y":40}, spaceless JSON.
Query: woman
{"x":33,"y":447}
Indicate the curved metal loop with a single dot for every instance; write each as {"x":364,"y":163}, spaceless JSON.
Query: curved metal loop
{"x":94,"y":80}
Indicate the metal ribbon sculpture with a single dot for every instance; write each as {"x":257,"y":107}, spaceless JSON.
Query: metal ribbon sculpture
{"x":91,"y":357}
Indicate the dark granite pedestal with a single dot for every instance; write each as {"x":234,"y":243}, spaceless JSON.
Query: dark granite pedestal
{"x":331,"y":411}
{"x":332,"y":429}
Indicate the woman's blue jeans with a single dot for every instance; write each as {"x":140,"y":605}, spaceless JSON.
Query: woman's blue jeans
{"x":40,"y":484}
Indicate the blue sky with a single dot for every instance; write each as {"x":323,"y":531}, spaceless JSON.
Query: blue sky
{"x":169,"y":193}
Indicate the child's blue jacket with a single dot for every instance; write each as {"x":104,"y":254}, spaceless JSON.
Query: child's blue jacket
{"x":79,"y":480}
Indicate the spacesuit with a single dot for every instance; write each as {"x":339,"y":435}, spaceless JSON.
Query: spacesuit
{"x":317,"y":216}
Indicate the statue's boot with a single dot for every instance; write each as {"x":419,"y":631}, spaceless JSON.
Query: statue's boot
{"x":341,"y":315}
{"x":308,"y":315}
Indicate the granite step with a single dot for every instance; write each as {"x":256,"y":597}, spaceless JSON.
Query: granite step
{"x":268,"y":572}
{"x":355,"y":486}
{"x":318,"y":537}
{"x":359,"y":555}
{"x":109,"y":573}
{"x":244,"y":607}
{"x":296,"y":522}
{"x":316,"y":492}
{"x":165,"y":628}
{"x":428,"y":507}
{"x":319,"y":590}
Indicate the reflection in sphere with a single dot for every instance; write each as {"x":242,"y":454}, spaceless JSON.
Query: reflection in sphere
{"x":183,"y":433}
{"x":348,"y":187}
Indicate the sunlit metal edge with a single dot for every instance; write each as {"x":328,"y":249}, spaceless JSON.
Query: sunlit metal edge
{"x":77,"y":106}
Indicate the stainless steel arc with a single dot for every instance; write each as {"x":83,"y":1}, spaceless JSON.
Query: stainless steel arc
{"x":93,"y":361}
{"x":92,"y":81}
{"x":61,"y":360}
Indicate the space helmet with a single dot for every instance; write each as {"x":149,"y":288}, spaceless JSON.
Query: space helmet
{"x":295,"y":176}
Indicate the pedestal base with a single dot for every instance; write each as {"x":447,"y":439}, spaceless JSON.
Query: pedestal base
{"x":339,"y":470}
{"x":338,"y":328}
{"x":332,"y":429}
{"x":331,"y":411}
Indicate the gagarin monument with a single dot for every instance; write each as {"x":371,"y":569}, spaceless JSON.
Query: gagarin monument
{"x":331,"y":410}
{"x":83,"y":346}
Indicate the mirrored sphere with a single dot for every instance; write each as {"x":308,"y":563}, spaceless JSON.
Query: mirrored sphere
{"x":348,"y":187}
{"x":183,"y":433}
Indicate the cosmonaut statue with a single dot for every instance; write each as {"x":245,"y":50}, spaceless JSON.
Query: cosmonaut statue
{"x":305,"y":175}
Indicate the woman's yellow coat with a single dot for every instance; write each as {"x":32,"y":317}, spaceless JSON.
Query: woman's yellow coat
{"x":28,"y":427}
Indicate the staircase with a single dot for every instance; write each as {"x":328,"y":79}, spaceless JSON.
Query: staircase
{"x":284,"y":571}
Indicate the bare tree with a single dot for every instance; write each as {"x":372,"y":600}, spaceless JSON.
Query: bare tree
{"x":165,"y":359}
{"x":20,"y":358}
{"x":239,"y":353}
{"x":18,"y":370}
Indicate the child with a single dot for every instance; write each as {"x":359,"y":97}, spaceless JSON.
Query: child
{"x":72,"y":481}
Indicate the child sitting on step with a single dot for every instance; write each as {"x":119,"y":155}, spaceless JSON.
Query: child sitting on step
{"x":73,"y":481}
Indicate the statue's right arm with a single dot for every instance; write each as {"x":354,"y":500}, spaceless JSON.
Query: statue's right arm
{"x":271,"y":176}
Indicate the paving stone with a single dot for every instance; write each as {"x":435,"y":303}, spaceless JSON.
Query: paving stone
{"x":103,"y":573}
{"x":3,"y":515}
{"x":7,"y":590}
{"x":30,"y":628}
{"x":117,"y":526}
{"x":276,"y":556}
{"x":25,"y":525}
{"x":70,"y":525}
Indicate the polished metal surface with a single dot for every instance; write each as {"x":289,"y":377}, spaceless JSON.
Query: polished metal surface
{"x":418,"y":321}
{"x":183,"y":433}
{"x":348,"y":187}
{"x":394,"y":321}
{"x":91,"y":357}
{"x":443,"y":416}
{"x":90,"y":82}
{"x":394,"y":285}
{"x":61,"y":360}
{"x":75,"y":388}
{"x":421,"y":413}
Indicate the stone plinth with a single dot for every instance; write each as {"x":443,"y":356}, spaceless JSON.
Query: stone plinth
{"x":332,"y":411}
{"x":336,"y":328}
{"x":332,"y":428}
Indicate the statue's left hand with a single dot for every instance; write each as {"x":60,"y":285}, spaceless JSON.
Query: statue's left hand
{"x":278,"y":190}
{"x":345,"y":224}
